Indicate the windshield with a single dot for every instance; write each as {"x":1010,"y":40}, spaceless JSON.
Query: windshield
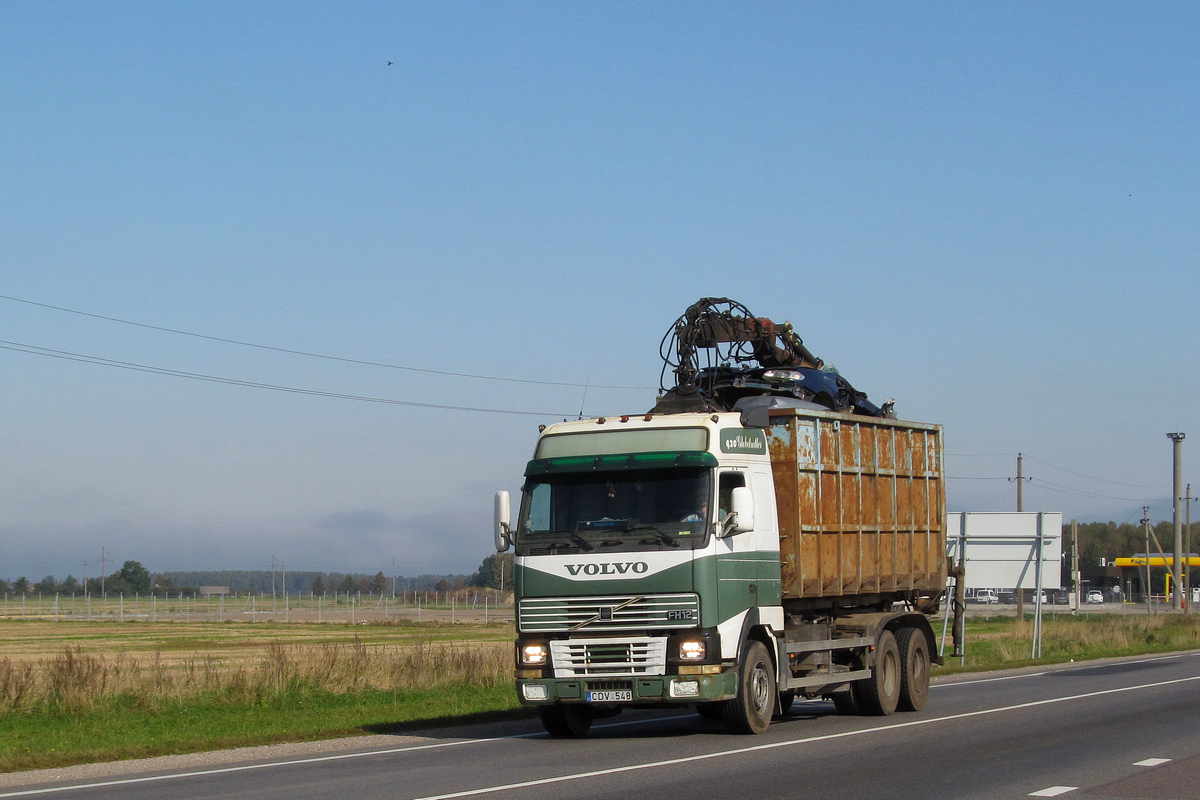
{"x":615,"y":511}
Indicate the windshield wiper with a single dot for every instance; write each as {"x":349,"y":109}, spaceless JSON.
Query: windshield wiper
{"x":583,"y":543}
{"x":659,"y":534}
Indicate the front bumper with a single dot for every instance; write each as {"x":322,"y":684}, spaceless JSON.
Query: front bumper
{"x":655,"y":690}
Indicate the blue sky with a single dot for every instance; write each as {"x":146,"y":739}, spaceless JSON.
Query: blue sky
{"x":990,"y":212}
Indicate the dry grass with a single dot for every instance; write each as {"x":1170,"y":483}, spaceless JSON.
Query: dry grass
{"x":1006,"y":642}
{"x":77,"y":680}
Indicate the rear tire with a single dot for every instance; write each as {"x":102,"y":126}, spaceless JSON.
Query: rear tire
{"x":751,"y":710}
{"x":914,"y":672}
{"x":879,"y":694}
{"x":569,"y":720}
{"x":846,"y":702}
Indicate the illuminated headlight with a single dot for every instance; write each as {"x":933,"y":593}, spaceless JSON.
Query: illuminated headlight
{"x":691,"y":650}
{"x":536,"y":691}
{"x":533,"y":655}
{"x":782,"y":375}
{"x":685,"y":689}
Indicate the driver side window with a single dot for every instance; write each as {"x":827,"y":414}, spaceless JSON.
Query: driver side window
{"x":728,"y":482}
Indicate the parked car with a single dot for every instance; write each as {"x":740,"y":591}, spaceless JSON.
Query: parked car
{"x":986,"y":596}
{"x":1095,"y":596}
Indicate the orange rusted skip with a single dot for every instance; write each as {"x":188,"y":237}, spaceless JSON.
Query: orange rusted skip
{"x":861,"y":501}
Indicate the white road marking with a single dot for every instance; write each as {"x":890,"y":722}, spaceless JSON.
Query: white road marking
{"x":577,"y":776}
{"x":317,"y":759}
{"x":1083,"y":665}
{"x":1053,"y":791}
{"x":806,"y":740}
{"x":1150,"y":762}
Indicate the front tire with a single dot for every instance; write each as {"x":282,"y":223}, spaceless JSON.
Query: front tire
{"x":750,"y":712}
{"x":566,"y":720}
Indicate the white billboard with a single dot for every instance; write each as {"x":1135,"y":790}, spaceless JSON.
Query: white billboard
{"x":1000,"y":549}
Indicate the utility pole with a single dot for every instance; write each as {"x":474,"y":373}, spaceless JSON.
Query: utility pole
{"x":85,"y":589}
{"x":1177,"y":518}
{"x":103,"y":556}
{"x":1187,"y":556}
{"x":272,"y":582}
{"x":1075,"y":563}
{"x":1020,"y":479}
{"x":1146,"y":525}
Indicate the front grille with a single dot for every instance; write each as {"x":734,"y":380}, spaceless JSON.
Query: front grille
{"x":652,"y":612}
{"x":583,"y":658}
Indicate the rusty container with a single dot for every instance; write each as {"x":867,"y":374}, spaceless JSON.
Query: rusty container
{"x":862,"y":504}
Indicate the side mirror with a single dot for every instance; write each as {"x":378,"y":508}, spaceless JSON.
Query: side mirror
{"x":501,"y":529}
{"x":741,"y":516}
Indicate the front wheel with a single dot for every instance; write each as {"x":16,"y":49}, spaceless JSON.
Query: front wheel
{"x":568,"y":720}
{"x":751,"y":710}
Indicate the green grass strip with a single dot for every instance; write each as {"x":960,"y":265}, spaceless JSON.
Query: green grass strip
{"x":125,"y":729}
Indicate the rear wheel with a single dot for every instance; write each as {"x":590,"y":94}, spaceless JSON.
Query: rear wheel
{"x":914,"y":669}
{"x":570,"y":720}
{"x":751,"y":710}
{"x":846,"y":702}
{"x":879,"y":694}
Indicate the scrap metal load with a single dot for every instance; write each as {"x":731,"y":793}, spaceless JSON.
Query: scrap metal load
{"x":726,"y":359}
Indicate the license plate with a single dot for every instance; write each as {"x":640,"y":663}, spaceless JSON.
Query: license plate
{"x":624,"y":695}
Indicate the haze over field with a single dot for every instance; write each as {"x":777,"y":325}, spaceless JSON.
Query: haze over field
{"x":985,"y":211}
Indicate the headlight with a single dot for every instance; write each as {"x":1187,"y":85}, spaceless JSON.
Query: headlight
{"x":533,"y":655}
{"x":691,"y":650}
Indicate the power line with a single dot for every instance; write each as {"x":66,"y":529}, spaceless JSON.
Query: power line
{"x":963,"y":478}
{"x":981,"y":455}
{"x":1091,"y":478}
{"x":314,"y":355}
{"x":1054,"y":487}
{"x":30,"y":349}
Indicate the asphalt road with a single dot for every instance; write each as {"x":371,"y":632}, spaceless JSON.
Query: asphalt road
{"x":1128,"y":728}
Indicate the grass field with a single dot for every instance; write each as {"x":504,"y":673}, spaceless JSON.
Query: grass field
{"x":88,"y":691}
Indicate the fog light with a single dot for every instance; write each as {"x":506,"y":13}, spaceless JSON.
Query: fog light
{"x":685,"y":689}
{"x":691,"y":650}
{"x":536,"y":691}
{"x":533,"y":655}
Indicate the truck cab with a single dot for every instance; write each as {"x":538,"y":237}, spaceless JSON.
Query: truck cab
{"x":642,"y":545}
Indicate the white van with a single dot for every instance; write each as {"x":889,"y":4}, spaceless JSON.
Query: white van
{"x":986,"y":596}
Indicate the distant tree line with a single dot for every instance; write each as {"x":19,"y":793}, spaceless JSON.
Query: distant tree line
{"x":132,"y":578}
{"x":305,"y":581}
